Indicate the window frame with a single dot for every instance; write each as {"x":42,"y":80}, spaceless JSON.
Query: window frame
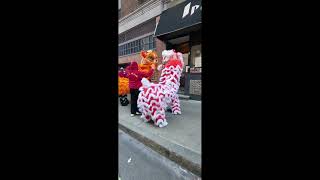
{"x":133,"y":47}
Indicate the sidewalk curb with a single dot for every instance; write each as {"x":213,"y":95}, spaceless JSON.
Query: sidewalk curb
{"x":184,"y":97}
{"x":190,"y":166}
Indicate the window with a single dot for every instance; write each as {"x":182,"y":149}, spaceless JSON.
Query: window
{"x":122,"y":49}
{"x":139,"y":45}
{"x":146,"y":40}
{"x":146,"y":43}
{"x":142,"y":1}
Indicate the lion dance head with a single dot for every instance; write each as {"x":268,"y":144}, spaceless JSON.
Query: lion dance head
{"x":148,"y":59}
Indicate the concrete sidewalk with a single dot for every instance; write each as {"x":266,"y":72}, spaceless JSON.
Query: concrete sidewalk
{"x":179,"y":141}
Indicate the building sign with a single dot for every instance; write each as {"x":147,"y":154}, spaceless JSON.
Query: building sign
{"x":184,"y":15}
{"x":193,"y":8}
{"x":195,"y":70}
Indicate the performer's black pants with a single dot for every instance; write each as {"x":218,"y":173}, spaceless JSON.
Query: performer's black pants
{"x":134,"y":98}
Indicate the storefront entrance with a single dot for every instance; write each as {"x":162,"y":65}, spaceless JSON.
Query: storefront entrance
{"x":193,"y":79}
{"x":180,"y":28}
{"x":190,"y":46}
{"x":181,"y":44}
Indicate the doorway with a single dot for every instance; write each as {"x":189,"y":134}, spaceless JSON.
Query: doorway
{"x":181,"y":44}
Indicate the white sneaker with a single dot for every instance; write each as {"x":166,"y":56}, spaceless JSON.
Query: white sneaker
{"x":137,"y":113}
{"x":132,"y":115}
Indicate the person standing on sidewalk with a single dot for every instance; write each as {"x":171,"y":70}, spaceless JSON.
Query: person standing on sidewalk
{"x":135,"y":76}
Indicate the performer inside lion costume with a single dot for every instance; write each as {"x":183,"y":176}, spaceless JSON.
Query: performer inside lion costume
{"x":148,"y":59}
{"x":154,"y":98}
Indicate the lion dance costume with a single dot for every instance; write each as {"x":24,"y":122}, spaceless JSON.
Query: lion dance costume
{"x":148,"y":59}
{"x":123,"y":88}
{"x":155,"y":98}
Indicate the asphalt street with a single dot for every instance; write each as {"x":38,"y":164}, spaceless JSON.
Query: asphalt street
{"x":139,"y":162}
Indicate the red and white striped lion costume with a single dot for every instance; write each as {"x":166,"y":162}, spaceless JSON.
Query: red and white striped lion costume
{"x":155,"y":98}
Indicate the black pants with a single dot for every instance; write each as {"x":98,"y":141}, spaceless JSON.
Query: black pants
{"x":134,"y":98}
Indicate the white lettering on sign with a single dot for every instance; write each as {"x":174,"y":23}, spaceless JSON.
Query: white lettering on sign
{"x":194,"y":8}
{"x":187,"y":9}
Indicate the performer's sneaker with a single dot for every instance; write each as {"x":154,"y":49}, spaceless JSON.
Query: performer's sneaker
{"x":132,"y":115}
{"x":138,"y":113}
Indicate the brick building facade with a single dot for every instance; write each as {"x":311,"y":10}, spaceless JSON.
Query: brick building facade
{"x":137,"y":23}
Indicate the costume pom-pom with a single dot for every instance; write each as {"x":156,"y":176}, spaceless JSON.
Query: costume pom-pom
{"x":123,"y":88}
